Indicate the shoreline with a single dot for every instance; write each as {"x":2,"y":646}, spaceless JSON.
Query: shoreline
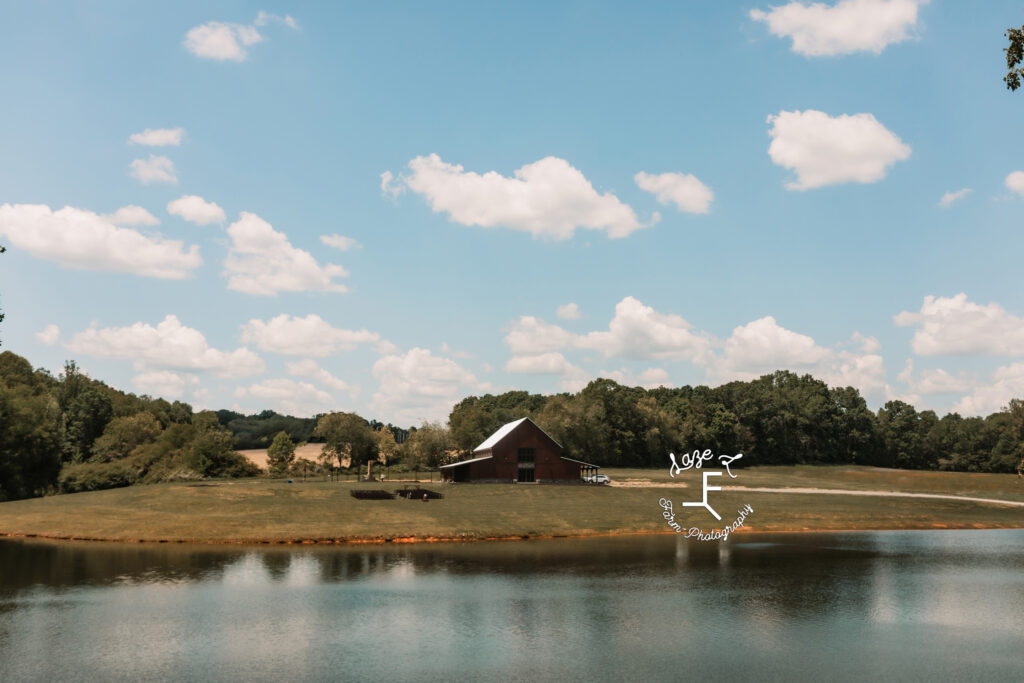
{"x":466,"y":538}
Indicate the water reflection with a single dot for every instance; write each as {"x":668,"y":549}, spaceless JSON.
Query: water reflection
{"x":875,"y":605}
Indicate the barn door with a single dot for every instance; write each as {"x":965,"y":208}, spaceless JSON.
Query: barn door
{"x":527,"y":465}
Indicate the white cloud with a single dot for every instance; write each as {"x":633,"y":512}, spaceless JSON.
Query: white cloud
{"x":638,"y":331}
{"x":309,"y":336}
{"x":530,"y":335}
{"x":153,"y":170}
{"x":682,"y":189}
{"x":1006,"y":383}
{"x":132,"y":215}
{"x":49,"y":335}
{"x":164,"y":383}
{"x":819,"y":30}
{"x":955,"y":326}
{"x":390,"y":186}
{"x":339,"y":242}
{"x":935,"y":381}
{"x":867,"y":344}
{"x":951,"y":198}
{"x":168,"y":345}
{"x":309,"y":368}
{"x":263,"y":262}
{"x":223,"y":41}
{"x":300,"y":399}
{"x":419,"y":386}
{"x":1015,"y":182}
{"x":76,"y":238}
{"x":158,"y":137}
{"x":651,"y":378}
{"x":548,"y":198}
{"x":551,"y":363}
{"x":196,"y":210}
{"x":825,"y":150}
{"x":569,"y":311}
{"x":763,"y":346}
{"x":452,"y":352}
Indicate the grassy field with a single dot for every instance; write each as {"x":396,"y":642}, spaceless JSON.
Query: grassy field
{"x":278,"y":512}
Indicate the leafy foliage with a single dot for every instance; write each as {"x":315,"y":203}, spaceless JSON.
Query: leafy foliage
{"x":1014,"y":56}
{"x":346,"y":435}
{"x":281,"y":454}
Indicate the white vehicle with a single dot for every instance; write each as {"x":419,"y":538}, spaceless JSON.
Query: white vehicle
{"x":597,"y":479}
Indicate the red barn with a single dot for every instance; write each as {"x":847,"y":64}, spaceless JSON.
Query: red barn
{"x":519,"y":452}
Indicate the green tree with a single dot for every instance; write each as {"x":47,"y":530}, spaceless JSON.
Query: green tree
{"x":29,"y":430}
{"x":281,"y":454}
{"x":1014,"y":56}
{"x":123,"y":435}
{"x":387,"y":449}
{"x":85,"y":419}
{"x":428,"y":446}
{"x":346,"y":434}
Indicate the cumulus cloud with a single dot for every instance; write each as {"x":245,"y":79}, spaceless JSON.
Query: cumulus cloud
{"x":551,"y":363}
{"x":167,"y":345}
{"x":263,"y":262}
{"x":763,"y":345}
{"x":951,"y":198}
{"x":310,"y":336}
{"x":195,"y":209}
{"x":638,"y":331}
{"x":569,"y":311}
{"x":682,"y":189}
{"x":548,"y":198}
{"x":225,"y":41}
{"x":49,"y":335}
{"x":819,"y":30}
{"x":132,"y":215}
{"x":935,"y":381}
{"x":158,"y":137}
{"x":418,"y":386}
{"x":308,"y":368}
{"x":76,"y":238}
{"x":153,"y":170}
{"x":993,"y":395}
{"x":164,"y":383}
{"x":301,"y":399}
{"x":339,"y":242}
{"x":530,"y":336}
{"x":1015,"y":182}
{"x":954,"y":326}
{"x":832,"y":150}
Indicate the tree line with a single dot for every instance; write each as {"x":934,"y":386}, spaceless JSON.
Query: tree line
{"x":73,"y":433}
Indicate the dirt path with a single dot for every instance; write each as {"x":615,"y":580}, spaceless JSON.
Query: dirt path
{"x":891,"y":494}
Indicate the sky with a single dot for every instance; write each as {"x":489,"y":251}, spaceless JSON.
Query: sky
{"x":386,"y":207}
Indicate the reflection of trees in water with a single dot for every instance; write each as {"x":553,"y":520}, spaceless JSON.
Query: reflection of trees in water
{"x":24,"y":564}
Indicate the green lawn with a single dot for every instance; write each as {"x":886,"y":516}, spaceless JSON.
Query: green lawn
{"x":275,"y":511}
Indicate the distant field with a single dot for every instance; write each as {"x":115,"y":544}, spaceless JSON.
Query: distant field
{"x":263,"y":510}
{"x":311,"y":451}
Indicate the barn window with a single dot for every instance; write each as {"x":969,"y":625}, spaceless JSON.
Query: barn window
{"x":527,"y":462}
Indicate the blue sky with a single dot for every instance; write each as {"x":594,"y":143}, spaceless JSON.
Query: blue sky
{"x":720,"y":189}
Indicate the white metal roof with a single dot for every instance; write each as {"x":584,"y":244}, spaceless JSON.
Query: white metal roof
{"x":465,"y":462}
{"x":505,"y":430}
{"x":581,"y":462}
{"x":500,"y":434}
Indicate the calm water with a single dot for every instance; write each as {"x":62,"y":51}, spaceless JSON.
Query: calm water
{"x":943,"y":605}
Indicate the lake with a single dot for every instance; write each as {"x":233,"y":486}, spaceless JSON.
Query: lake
{"x":932,"y":605}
